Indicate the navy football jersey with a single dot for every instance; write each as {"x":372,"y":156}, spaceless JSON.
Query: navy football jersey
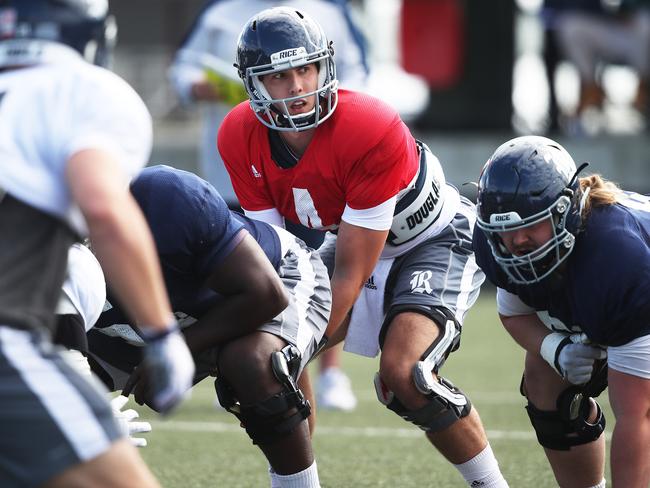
{"x":605,"y":289}
{"x":194,"y":231}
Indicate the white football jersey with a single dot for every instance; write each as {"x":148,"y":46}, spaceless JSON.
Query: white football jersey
{"x":84,"y":290}
{"x":52,"y":111}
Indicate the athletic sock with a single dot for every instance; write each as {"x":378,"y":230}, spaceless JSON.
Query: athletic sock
{"x":482,"y":471}
{"x":307,"y":478}
{"x":275,"y":482}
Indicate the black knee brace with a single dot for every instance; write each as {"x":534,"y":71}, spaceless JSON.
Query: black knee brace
{"x":447,"y":404}
{"x":567,"y":426}
{"x":270,"y":420}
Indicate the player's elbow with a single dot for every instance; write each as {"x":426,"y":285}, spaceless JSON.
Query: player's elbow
{"x":102,"y":214}
{"x":273,"y":297}
{"x":112,"y":218}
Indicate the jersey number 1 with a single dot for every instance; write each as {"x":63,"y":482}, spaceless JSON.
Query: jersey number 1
{"x":305,"y":209}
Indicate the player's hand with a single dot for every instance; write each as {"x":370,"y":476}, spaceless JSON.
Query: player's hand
{"x":125,"y":420}
{"x":570,"y":356}
{"x":164,"y":377}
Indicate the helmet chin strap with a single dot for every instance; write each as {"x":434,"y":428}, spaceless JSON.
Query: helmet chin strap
{"x":298,"y":120}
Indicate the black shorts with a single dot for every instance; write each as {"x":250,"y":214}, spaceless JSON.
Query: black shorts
{"x":51,"y":417}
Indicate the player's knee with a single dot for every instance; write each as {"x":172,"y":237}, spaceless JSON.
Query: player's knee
{"x":446,"y":404}
{"x":245,"y":364}
{"x":577,"y":420}
{"x":275,"y":416}
{"x":398,"y":379}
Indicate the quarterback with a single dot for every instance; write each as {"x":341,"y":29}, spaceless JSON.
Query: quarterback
{"x":399,"y":243}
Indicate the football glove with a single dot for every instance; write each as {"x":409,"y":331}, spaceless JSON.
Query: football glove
{"x":571,"y":356}
{"x":125,"y":420}
{"x":164,"y":377}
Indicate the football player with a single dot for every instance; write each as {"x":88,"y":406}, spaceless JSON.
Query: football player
{"x":80,"y":304}
{"x":212,"y":41}
{"x":400,"y":251}
{"x":71,"y":134}
{"x":571,"y":259}
{"x":253,"y":303}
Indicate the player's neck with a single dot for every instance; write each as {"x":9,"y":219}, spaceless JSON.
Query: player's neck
{"x":298,"y":142}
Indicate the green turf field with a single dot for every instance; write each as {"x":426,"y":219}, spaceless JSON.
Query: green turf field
{"x":200,"y":446}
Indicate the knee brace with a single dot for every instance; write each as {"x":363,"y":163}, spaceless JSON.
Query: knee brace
{"x":567,"y":426}
{"x":447,"y":341}
{"x":270,"y":420}
{"x":446,"y":404}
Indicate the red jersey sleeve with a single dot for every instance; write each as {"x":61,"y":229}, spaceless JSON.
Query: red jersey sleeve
{"x":237,"y":139}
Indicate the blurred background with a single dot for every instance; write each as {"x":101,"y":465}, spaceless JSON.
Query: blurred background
{"x":466,"y":75}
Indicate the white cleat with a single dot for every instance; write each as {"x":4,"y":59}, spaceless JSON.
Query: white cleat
{"x":334,"y":391}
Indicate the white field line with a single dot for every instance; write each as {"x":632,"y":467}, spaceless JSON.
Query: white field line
{"x":342,"y":431}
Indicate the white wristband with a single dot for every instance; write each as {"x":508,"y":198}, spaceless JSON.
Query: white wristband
{"x":549,"y":347}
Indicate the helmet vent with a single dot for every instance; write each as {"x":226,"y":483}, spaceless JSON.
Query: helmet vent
{"x":254,"y":26}
{"x":300,"y":15}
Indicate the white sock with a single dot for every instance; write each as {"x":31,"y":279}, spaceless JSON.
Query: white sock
{"x":602,"y":484}
{"x":307,"y":478}
{"x":482,"y":470}
{"x":275,"y":482}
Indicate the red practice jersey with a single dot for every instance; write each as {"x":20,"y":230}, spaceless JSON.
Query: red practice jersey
{"x":362,"y":156}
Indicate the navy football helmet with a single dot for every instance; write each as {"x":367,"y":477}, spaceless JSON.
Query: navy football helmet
{"x":37,"y":31}
{"x":278,"y":39}
{"x":527,"y":180}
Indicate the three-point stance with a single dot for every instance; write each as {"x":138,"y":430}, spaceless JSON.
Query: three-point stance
{"x":571,"y":259}
{"x":253,"y":303}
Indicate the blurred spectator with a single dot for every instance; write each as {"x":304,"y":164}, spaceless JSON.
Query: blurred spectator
{"x":202,"y":73}
{"x":590,"y":33}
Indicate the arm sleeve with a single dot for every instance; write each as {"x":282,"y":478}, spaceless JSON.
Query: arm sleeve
{"x":509,"y":304}
{"x":85,"y":287}
{"x":220,"y":233}
{"x":270,"y":216}
{"x":376,"y":218}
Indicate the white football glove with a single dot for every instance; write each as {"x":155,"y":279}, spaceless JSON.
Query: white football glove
{"x":125,"y":420}
{"x":571,"y":356}
{"x":164,"y":377}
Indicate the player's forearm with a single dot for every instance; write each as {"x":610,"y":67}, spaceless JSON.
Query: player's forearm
{"x":526,"y":330}
{"x":124,"y":246}
{"x":344,"y":293}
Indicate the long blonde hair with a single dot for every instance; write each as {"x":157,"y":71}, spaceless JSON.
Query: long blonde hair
{"x":600,"y":192}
